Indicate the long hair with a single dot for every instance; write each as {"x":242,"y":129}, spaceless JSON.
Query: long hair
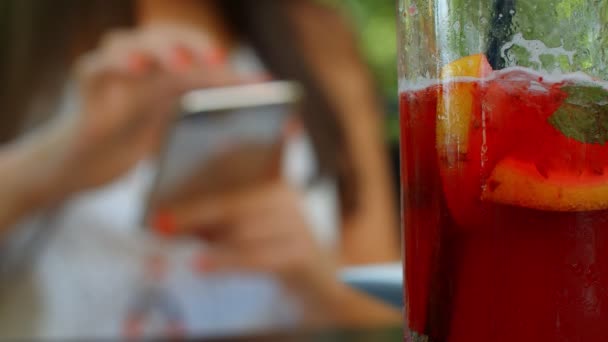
{"x":38,"y":41}
{"x":40,"y":38}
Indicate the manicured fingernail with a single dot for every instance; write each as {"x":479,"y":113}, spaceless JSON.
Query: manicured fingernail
{"x":163,"y":223}
{"x":214,"y":57}
{"x":137,"y":62}
{"x":181,"y":59}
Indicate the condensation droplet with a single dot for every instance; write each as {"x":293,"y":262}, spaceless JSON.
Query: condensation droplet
{"x":457,"y":26}
{"x":413,"y":10}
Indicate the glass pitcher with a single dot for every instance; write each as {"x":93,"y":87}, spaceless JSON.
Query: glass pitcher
{"x":504,"y":125}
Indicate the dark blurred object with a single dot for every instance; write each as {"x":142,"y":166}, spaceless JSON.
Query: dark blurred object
{"x":502,"y":21}
{"x":329,"y":335}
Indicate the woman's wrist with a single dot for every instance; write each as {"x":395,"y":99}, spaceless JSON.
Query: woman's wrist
{"x":316,"y":279}
{"x":19,"y":196}
{"x":37,"y":166}
{"x":327,"y":301}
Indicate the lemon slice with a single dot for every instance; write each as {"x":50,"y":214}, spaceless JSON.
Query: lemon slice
{"x":519,"y":183}
{"x":455,"y":105}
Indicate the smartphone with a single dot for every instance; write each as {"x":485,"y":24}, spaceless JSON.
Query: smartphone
{"x":224,"y":139}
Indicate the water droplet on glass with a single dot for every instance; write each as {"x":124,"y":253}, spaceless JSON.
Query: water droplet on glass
{"x":413,"y":10}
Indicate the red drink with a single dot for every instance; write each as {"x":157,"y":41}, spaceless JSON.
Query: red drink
{"x":505,"y":194}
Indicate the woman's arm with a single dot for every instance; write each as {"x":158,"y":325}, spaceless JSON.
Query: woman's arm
{"x":25,"y":176}
{"x":370,"y":234}
{"x":128,"y":88}
{"x":343,"y":306}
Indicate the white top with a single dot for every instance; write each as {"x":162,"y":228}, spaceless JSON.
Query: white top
{"x":85,"y":277}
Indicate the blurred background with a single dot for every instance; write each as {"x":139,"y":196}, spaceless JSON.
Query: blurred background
{"x":374,"y":22}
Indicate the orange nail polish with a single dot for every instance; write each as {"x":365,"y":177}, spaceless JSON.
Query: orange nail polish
{"x":163,"y":223}
{"x":137,"y":62}
{"x":214,"y":57}
{"x":181,"y":59}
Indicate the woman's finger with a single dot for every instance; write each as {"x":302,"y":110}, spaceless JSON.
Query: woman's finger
{"x":171,"y":48}
{"x":190,"y":55}
{"x":217,"y":77}
{"x":223,"y":228}
{"x":193,"y":214}
{"x":275,"y":255}
{"x":96,"y":71}
{"x":124,"y":51}
{"x":162,"y":39}
{"x":279,"y":227}
{"x":241,"y":235}
{"x":91,"y":66}
{"x":222,"y":258}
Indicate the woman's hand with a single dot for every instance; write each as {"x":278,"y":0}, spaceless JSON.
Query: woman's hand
{"x":128,"y":90}
{"x":261,"y":229}
{"x":265,"y":230}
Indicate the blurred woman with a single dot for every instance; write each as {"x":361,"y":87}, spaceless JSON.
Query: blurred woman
{"x":125,"y":84}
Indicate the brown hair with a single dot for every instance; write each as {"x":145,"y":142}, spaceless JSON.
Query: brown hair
{"x":39,"y":39}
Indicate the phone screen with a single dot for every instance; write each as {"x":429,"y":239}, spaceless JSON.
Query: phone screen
{"x":225,"y":139}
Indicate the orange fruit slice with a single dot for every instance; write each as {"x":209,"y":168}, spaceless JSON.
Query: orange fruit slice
{"x":459,"y":151}
{"x":522,"y":184}
{"x":456,"y":102}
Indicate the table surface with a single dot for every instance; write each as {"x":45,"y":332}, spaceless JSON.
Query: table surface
{"x":388,"y":334}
